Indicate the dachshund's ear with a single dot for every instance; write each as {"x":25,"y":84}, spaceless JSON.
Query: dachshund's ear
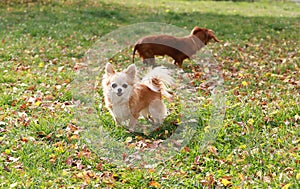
{"x":196,"y":30}
{"x":211,"y":35}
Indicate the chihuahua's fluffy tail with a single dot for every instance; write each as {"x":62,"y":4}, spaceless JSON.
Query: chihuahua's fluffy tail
{"x":158,"y":79}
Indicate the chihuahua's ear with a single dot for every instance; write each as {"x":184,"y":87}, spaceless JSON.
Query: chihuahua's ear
{"x":131,"y":71}
{"x":109,"y":70}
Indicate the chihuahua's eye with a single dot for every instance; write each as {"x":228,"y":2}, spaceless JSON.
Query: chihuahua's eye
{"x":114,"y":85}
{"x":124,"y":85}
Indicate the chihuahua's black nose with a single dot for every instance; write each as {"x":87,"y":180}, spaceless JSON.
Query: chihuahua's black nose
{"x":119,"y":90}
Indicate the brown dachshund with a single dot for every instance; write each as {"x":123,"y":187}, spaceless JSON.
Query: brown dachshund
{"x":179,"y":48}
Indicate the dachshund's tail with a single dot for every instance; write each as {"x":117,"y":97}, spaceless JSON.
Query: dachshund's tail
{"x":134,"y":49}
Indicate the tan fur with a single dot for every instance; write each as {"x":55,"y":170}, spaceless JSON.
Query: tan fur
{"x":179,"y":48}
{"x":141,"y":99}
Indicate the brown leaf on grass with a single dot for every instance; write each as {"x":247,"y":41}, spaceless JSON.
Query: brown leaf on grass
{"x":208,"y":181}
{"x":267,"y":179}
{"x":31,"y":88}
{"x":49,"y":136}
{"x":24,"y":139}
{"x":86,"y":175}
{"x":2,"y":130}
{"x":264,"y":103}
{"x":124,"y":155}
{"x":154,"y":184}
{"x":69,"y":161}
{"x":6,"y":168}
{"x":52,"y":158}
{"x":41,"y":134}
{"x":241,"y":176}
{"x":84,"y":153}
{"x":79,"y":165}
{"x":74,"y":137}
{"x":288,"y":169}
{"x":151,"y":170}
{"x":99,"y":166}
{"x":72,"y":128}
{"x":2,"y":116}
{"x":213,"y":150}
{"x":187,"y":149}
{"x":197,"y":160}
{"x":79,"y":66}
{"x":236,"y":92}
{"x":108,"y":179}
{"x":22,"y":68}
{"x":22,"y":107}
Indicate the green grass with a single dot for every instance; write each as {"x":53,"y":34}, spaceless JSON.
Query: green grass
{"x":42,"y":43}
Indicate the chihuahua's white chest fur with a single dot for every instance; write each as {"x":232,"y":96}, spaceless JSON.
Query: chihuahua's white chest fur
{"x":121,"y":112}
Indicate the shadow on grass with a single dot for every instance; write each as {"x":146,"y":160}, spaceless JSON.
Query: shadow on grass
{"x":59,"y":20}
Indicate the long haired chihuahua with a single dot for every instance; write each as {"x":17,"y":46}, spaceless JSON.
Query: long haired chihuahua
{"x":127,"y":97}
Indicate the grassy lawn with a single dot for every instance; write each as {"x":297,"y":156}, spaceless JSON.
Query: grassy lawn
{"x":42,"y":44}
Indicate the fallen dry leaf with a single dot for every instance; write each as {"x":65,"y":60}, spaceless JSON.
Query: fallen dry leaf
{"x":154,"y":184}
